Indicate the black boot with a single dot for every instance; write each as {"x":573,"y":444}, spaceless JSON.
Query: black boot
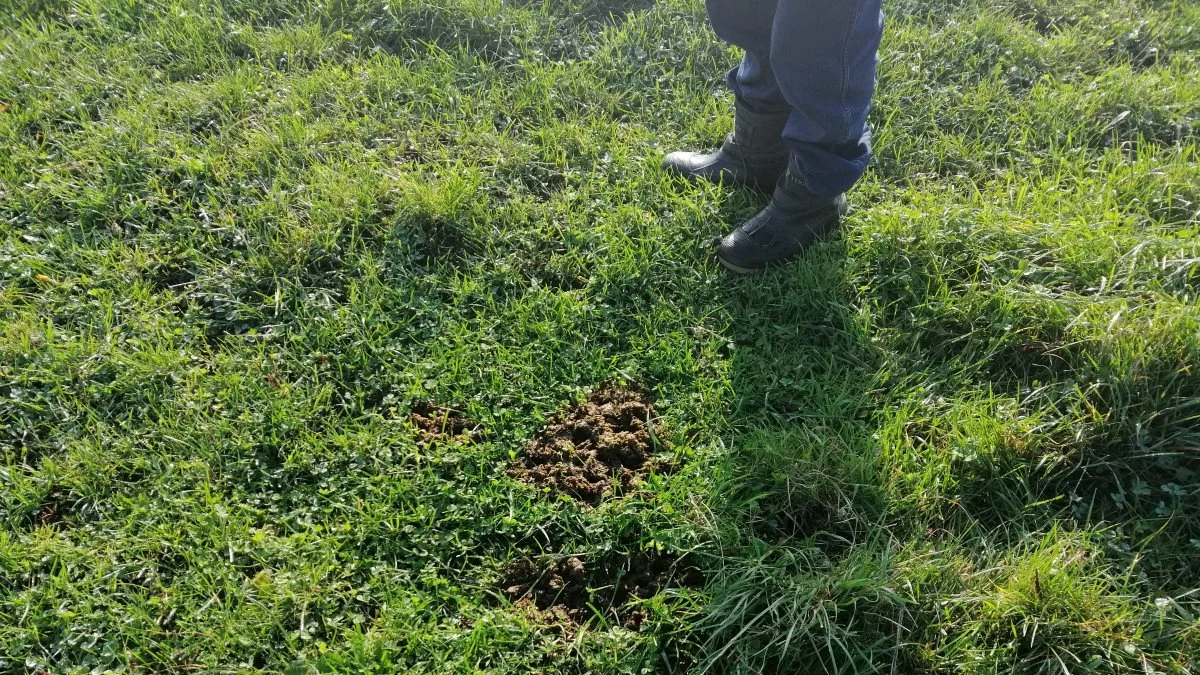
{"x":794,"y":219}
{"x":753,"y":156}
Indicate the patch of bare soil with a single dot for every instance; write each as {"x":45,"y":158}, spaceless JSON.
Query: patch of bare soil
{"x":595,"y":448}
{"x":564,"y":594}
{"x":436,"y":424}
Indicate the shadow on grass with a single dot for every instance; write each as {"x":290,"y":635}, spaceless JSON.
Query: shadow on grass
{"x":798,"y":586}
{"x":839,"y":391}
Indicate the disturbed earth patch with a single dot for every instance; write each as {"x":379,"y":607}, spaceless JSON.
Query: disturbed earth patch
{"x":595,"y":448}
{"x":438,"y":424}
{"x":571,"y":591}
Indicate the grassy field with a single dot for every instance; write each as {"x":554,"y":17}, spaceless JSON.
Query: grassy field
{"x":242,"y":242}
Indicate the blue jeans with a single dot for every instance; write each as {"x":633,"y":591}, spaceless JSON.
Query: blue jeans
{"x":814,"y":59}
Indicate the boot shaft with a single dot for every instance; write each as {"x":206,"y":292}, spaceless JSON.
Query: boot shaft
{"x":758,"y":136}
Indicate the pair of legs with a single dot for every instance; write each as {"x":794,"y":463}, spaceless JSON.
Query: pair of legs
{"x":802,"y":91}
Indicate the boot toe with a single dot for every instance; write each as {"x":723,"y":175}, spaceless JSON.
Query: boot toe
{"x":740,"y":253}
{"x":782,"y":230}
{"x":685,"y":164}
{"x":674,"y":161}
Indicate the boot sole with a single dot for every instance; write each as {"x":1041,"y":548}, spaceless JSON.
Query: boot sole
{"x":723,"y":178}
{"x":738,"y":269}
{"x":726,"y":181}
{"x":720,"y":179}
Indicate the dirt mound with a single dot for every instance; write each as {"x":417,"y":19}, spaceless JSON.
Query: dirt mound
{"x":436,"y":424}
{"x":594,"y":448}
{"x":566,"y":592}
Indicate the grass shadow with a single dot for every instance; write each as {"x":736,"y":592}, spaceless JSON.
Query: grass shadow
{"x":873,"y":410}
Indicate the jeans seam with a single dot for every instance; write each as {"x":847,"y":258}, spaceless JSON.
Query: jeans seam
{"x":858,"y":5}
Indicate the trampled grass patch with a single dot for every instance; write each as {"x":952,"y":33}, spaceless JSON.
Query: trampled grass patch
{"x":290,"y":291}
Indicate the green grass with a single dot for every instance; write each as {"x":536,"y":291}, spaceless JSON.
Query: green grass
{"x":238,"y":238}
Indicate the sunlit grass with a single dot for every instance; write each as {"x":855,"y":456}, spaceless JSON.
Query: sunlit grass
{"x":239,"y":239}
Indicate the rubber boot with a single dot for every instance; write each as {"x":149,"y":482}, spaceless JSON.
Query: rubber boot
{"x":794,"y":219}
{"x":753,"y":156}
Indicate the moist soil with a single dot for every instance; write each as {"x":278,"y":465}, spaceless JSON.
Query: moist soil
{"x":435,"y":424}
{"x":570,"y":591}
{"x":594,"y":449}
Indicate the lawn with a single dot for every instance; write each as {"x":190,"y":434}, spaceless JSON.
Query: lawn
{"x":306,"y":306}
